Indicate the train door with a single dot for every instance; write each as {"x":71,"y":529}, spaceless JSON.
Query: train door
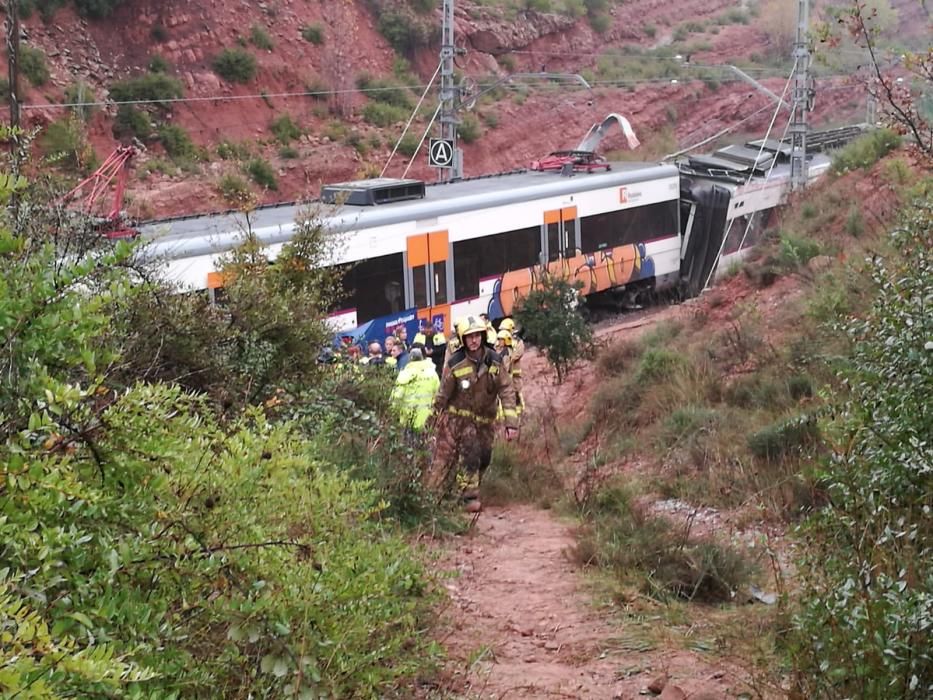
{"x":560,"y":233}
{"x":428,"y":274}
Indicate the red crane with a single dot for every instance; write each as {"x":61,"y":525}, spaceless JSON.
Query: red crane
{"x":113,"y":224}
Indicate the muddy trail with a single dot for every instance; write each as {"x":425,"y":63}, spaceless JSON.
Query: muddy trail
{"x":521,"y":623}
{"x":524,"y":619}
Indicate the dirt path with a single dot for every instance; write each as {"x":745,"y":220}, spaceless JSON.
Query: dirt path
{"x":519,"y":626}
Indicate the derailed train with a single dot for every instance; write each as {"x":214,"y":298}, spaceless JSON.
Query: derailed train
{"x":416,"y":252}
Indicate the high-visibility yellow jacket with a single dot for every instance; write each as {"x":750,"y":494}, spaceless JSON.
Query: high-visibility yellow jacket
{"x":414,"y":392}
{"x":473,"y":388}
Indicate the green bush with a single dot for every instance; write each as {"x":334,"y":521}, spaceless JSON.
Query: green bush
{"x":382,"y":114}
{"x":233,"y":188}
{"x":550,"y":319}
{"x":33,"y":65}
{"x":284,"y":129}
{"x":389,"y":91}
{"x":64,"y":141}
{"x":159,"y":64}
{"x":469,"y":129}
{"x":177,"y":143}
{"x":865,"y":151}
{"x":867,"y":575}
{"x":151,"y":87}
{"x":132,"y":122}
{"x":313,"y":34}
{"x":405,"y":31}
{"x":235,"y":65}
{"x":658,"y":363}
{"x":97,"y":9}
{"x":855,"y":223}
{"x":288,"y":152}
{"x":601,"y":23}
{"x":784,"y":438}
{"x":261,"y":173}
{"x":230,"y":150}
{"x":260,"y":38}
{"x":620,"y":536}
{"x":796,"y":251}
{"x":408,"y":145}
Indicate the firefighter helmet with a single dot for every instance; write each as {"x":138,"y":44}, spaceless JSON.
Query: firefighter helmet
{"x":505,"y":336}
{"x":507,"y":324}
{"x":470,"y":325}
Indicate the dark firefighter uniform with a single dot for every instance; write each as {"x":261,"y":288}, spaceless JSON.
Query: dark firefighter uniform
{"x":467,"y":403}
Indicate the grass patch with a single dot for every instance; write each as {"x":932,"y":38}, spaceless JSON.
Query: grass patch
{"x":313,"y":34}
{"x":285,"y":129}
{"x":261,"y":173}
{"x":648,"y":551}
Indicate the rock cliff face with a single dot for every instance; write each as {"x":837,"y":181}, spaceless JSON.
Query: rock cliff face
{"x":337,"y":142}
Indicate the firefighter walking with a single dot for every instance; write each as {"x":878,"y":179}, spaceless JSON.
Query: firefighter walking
{"x":516,"y":352}
{"x":475,"y":381}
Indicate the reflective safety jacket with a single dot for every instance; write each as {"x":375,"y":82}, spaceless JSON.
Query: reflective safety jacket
{"x":473,"y":388}
{"x":414,"y":392}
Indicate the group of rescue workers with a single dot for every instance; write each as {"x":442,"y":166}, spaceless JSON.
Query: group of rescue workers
{"x":457,"y":393}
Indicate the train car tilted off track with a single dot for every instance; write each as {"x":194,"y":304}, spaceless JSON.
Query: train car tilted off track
{"x":438,"y":252}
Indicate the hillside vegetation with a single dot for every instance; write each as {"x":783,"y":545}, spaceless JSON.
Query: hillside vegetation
{"x":186,"y":508}
{"x":787,"y":404}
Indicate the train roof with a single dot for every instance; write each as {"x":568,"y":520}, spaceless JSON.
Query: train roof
{"x":215,"y":233}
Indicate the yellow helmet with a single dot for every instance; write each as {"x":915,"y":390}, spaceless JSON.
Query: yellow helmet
{"x":505,"y":336}
{"x":470,"y":324}
{"x":507,"y":324}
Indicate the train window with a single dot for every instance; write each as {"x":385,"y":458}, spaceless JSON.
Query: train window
{"x":419,"y":286}
{"x":488,"y":256}
{"x":374,"y":287}
{"x":615,"y":228}
{"x":440,"y":283}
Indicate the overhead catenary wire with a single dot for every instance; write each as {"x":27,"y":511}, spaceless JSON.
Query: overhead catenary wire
{"x":394,"y":88}
{"x":751,"y":172}
{"x":414,"y":113}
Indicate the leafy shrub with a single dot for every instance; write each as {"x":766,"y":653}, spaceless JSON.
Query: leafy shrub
{"x":868,"y":570}
{"x":151,"y":87}
{"x":799,"y":386}
{"x":658,"y":363}
{"x":382,"y":114}
{"x":33,"y":65}
{"x":233,"y":188}
{"x":796,"y":251}
{"x":855,"y":223}
{"x":230,"y":150}
{"x":260,"y":38}
{"x":601,"y":23}
{"x":408,"y":145}
{"x":97,"y":9}
{"x":284,"y":129}
{"x":786,"y":437}
{"x":64,"y":140}
{"x":235,"y":65}
{"x":313,"y":34}
{"x":261,"y":173}
{"x":385,"y":90}
{"x":550,"y":319}
{"x":865,"y":151}
{"x":288,"y":152}
{"x":132,"y":122}
{"x":177,"y":142}
{"x":159,"y":64}
{"x":622,"y":537}
{"x":469,"y":129}
{"x":404,"y":31}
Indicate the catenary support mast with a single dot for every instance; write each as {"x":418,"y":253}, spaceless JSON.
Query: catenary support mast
{"x":449,"y":96}
{"x":803,"y":96}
